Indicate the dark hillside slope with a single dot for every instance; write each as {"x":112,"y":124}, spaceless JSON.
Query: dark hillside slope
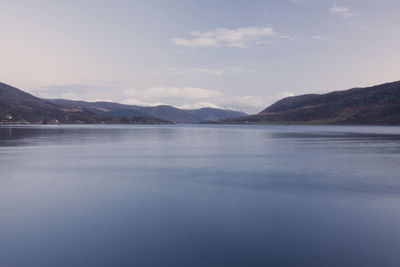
{"x":378,"y":104}
{"x":17,"y":106}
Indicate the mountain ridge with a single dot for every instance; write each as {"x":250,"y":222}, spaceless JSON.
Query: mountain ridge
{"x":17,"y":106}
{"x":379,"y":104}
{"x":164,"y":112}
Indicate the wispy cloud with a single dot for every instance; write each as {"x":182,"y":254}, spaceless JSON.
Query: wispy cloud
{"x":318,"y":37}
{"x":214,"y":71}
{"x":285,"y":94}
{"x":239,"y":38}
{"x":74,"y":91}
{"x":175,"y":96}
{"x":343,"y":11}
{"x":286,"y":37}
{"x":198,"y":105}
{"x":175,"y":92}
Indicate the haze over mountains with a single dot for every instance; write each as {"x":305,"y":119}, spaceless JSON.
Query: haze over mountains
{"x":378,"y":104}
{"x":19,"y":106}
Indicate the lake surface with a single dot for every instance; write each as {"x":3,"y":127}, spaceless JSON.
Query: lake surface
{"x":199,"y":195}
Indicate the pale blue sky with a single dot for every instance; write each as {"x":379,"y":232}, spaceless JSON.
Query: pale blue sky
{"x":231,"y":54}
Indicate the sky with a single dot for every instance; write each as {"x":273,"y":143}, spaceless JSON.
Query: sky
{"x":241,"y":55}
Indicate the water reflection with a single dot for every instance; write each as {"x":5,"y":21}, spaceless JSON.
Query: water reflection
{"x":199,"y":196}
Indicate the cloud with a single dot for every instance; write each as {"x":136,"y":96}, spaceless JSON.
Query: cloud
{"x":318,"y":37}
{"x":285,"y":94}
{"x":198,"y":105}
{"x":222,"y":37}
{"x":74,"y":92}
{"x":183,"y":93}
{"x":246,"y":101}
{"x":138,"y":102}
{"x":286,"y":37}
{"x":217,"y":71}
{"x":342,"y":11}
{"x":183,"y":97}
{"x":192,"y":97}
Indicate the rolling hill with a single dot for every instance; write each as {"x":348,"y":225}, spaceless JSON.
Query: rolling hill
{"x":214,"y":114}
{"x":378,"y":104}
{"x":164,"y":112}
{"x":17,"y":106}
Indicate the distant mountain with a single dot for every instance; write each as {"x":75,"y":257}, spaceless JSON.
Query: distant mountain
{"x":17,"y":106}
{"x":378,"y":104}
{"x":169,"y":113}
{"x":214,"y":114}
{"x":164,"y":112}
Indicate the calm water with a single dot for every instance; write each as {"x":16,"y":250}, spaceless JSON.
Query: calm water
{"x":199,"y":196}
